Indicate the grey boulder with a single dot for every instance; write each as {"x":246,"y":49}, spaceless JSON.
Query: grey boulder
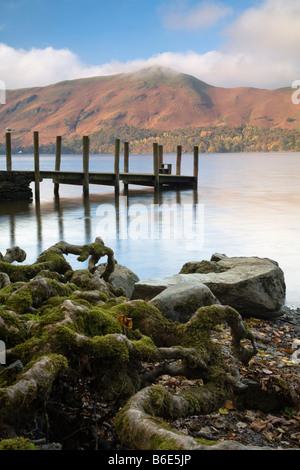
{"x":180,"y":302}
{"x":253,"y":286}
{"x":122,"y":277}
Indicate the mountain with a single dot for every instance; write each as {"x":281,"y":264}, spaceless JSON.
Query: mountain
{"x":143,"y":104}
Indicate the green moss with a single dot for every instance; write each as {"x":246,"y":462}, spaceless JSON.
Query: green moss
{"x":30,"y":349}
{"x":52,"y":261}
{"x":95,"y":249}
{"x":57,"y":363}
{"x":205,"y":399}
{"x":19,"y":273}
{"x":84,"y":280}
{"x":12,"y":329}
{"x":106,"y":347}
{"x":33,"y":395}
{"x":163,"y":443}
{"x":34,"y":293}
{"x":160,"y":400}
{"x":144,"y":349}
{"x":206,"y":442}
{"x":196,"y":333}
{"x":47,"y":261}
{"x":85,"y":299}
{"x":7,"y":377}
{"x":62,"y":339}
{"x":202,"y":267}
{"x":97,"y":322}
{"x":18,"y":443}
{"x":20,"y":301}
{"x":149,"y":320}
{"x":61,"y":289}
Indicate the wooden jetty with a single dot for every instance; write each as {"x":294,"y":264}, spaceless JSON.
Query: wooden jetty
{"x":161,"y":177}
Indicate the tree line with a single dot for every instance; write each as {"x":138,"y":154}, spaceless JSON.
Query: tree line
{"x":222,"y":139}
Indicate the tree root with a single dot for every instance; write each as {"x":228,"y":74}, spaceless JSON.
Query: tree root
{"x":53,"y":327}
{"x":53,"y":260}
{"x":141,"y":430}
{"x":33,"y":388}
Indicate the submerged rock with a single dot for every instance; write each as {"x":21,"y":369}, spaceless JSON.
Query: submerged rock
{"x":254,"y":286}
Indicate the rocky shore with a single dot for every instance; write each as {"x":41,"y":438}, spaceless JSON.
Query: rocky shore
{"x":98,"y":359}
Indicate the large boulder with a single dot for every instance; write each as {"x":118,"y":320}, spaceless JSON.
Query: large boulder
{"x":253,"y":286}
{"x":122,"y":277}
{"x":179,"y":302}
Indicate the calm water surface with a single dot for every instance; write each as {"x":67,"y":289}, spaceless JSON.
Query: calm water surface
{"x":245,"y":205}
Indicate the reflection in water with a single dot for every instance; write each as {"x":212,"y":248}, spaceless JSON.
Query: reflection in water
{"x":123,"y":209}
{"x":141,"y":228}
{"x":251,"y":208}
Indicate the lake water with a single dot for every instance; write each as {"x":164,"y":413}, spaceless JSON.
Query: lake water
{"x":245,"y":205}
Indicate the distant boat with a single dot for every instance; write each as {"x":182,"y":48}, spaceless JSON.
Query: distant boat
{"x":20,"y":151}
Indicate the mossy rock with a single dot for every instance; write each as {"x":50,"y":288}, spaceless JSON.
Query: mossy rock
{"x":201,"y":267}
{"x":18,"y":443}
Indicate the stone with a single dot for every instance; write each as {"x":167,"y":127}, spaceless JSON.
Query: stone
{"x":253,"y":286}
{"x":15,"y":186}
{"x":122,"y":277}
{"x":180,"y":302}
{"x":150,"y":288}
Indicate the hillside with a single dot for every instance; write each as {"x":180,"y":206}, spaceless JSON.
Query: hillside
{"x":136,"y":107}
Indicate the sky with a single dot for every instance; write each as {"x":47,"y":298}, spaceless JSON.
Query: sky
{"x":227,"y":43}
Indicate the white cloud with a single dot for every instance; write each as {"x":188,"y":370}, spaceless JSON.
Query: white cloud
{"x":203,"y":15}
{"x":273,"y":28}
{"x":262,"y":50}
{"x":38,"y":67}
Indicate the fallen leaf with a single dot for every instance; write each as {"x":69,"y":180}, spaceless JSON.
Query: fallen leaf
{"x":229,"y":405}
{"x":125,"y":321}
{"x":241,"y":425}
{"x":257,"y":426}
{"x":267,"y":371}
{"x":223,"y":411}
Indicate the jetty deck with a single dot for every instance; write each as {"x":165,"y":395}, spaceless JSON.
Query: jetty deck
{"x":161,"y":177}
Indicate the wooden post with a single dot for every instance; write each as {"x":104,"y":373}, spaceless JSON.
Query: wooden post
{"x":156,"y":166}
{"x":117,"y":167}
{"x":178,"y":160}
{"x":161,"y":155}
{"x":36,"y":165}
{"x":8,"y":151}
{"x":196,"y":166}
{"x":126,"y":163}
{"x":85,"y":161}
{"x":57,"y":162}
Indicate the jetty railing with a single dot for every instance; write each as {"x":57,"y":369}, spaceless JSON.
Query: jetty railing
{"x":161,"y":176}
